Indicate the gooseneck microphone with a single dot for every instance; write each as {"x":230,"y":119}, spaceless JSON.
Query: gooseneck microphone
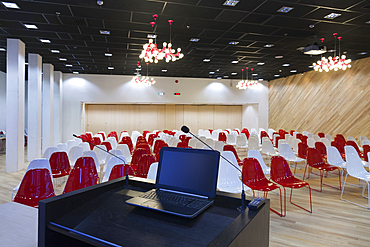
{"x":185,"y":129}
{"x":124,"y":161}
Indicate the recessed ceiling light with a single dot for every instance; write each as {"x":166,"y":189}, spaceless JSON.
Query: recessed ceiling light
{"x":2,"y":49}
{"x":344,"y":52}
{"x":293,"y":71}
{"x":254,"y":74}
{"x":332,"y":16}
{"x":368,"y":22}
{"x":311,"y":66}
{"x":276,"y":75}
{"x":269,"y":45}
{"x":231,"y":3}
{"x":234,"y":73}
{"x":286,"y":65}
{"x":194,"y":39}
{"x":164,"y":70}
{"x":151,"y":36}
{"x":311,"y":26}
{"x":75,"y":72}
{"x":55,"y":51}
{"x":233,"y":42}
{"x":260,"y":79}
{"x":219,"y":78}
{"x":234,"y":61}
{"x":108,"y":54}
{"x":260,"y":63}
{"x":10,"y":5}
{"x":212,"y":72}
{"x":138,"y":69}
{"x":206,"y":60}
{"x":226,"y":76}
{"x":110,"y":67}
{"x":69,"y":65}
{"x":45,"y":41}
{"x":30,"y":26}
{"x":361,"y":53}
{"x":284,"y":9}
{"x":106,"y":32}
{"x":300,"y":48}
{"x":62,"y":59}
{"x":279,"y":56}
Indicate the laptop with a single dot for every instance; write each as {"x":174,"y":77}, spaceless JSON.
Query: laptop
{"x":185,"y":184}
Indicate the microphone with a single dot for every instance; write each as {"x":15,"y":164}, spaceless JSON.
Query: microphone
{"x":241,"y":208}
{"x":124,"y":162}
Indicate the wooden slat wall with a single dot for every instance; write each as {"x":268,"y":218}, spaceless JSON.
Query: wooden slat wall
{"x":330,"y":102}
{"x":150,"y":117}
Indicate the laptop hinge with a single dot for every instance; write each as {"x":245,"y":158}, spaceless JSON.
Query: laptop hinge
{"x":184,"y":193}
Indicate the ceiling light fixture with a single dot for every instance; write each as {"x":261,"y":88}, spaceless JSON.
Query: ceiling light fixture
{"x":278,"y":57}
{"x":108,"y":54}
{"x":244,"y":84}
{"x":276,"y":75}
{"x":55,"y":51}
{"x":219,"y":78}
{"x":232,"y":3}
{"x":62,"y":59}
{"x":69,"y":65}
{"x":260,"y":79}
{"x":45,"y":41}
{"x":260,"y":63}
{"x":75,"y":72}
{"x":235,"y":61}
{"x":286,"y":65}
{"x":284,"y":9}
{"x":233,"y":42}
{"x":234,"y":73}
{"x":144,"y":80}
{"x":293,"y":71}
{"x":332,"y":16}
{"x":110,"y":67}
{"x":362,"y":53}
{"x":168,"y":53}
{"x":206,"y":60}
{"x":268,"y":45}
{"x":105,"y":32}
{"x":194,"y":39}
{"x":315,"y":48}
{"x":151,"y":36}
{"x":10,"y":5}
{"x":164,"y":70}
{"x":2,"y":49}
{"x":30,"y":26}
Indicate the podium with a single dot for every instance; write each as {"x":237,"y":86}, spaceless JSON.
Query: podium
{"x":99,"y":216}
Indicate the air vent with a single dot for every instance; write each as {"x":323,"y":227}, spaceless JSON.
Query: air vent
{"x":72,"y":21}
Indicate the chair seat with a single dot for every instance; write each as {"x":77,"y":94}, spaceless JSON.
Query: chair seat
{"x":324,"y":167}
{"x":262,"y":185}
{"x":294,"y":159}
{"x":291,"y":182}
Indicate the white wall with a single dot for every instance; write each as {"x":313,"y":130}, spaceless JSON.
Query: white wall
{"x":120,"y":89}
{"x":2,"y":100}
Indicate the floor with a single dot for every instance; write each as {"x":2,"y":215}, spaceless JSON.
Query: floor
{"x":332,"y":223}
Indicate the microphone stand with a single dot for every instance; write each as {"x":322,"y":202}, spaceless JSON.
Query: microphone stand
{"x":124,"y":162}
{"x":242,"y":207}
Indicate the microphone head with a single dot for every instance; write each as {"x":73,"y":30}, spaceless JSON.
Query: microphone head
{"x":74,"y":135}
{"x":185,"y":129}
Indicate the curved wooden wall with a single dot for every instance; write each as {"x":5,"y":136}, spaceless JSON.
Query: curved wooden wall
{"x":330,"y":102}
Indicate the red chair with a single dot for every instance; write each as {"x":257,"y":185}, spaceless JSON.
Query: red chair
{"x":127,"y":140}
{"x":246,"y":132}
{"x":102,"y":134}
{"x":366,"y":150}
{"x":354,"y":144}
{"x":119,"y":171}
{"x":113,"y":134}
{"x":227,"y":131}
{"x":232,"y":149}
{"x":151,"y":139}
{"x":89,"y":136}
{"x":182,"y":145}
{"x":339,"y":147}
{"x":237,"y":131}
{"x":302,"y":150}
{"x":145,"y":132}
{"x":107,"y":145}
{"x":264,"y":134}
{"x":96,"y":141}
{"x":291,"y":132}
{"x":340,"y":139}
{"x":59,"y":164}
{"x":143,"y":145}
{"x":156,"y":144}
{"x":280,"y":173}
{"x":140,"y":139}
{"x":304,"y":139}
{"x":36,"y":185}
{"x":136,"y":155}
{"x":314,"y":160}
{"x":299,"y":136}
{"x":222,"y":137}
{"x":83,"y":175}
{"x":143,"y":165}
{"x":321,"y":135}
{"x":276,"y":144}
{"x":254,"y":178}
{"x":182,"y":137}
{"x":210,"y":131}
{"x":321,"y":148}
{"x":157,"y":153}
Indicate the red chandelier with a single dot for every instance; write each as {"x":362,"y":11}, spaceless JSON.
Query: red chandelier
{"x":244,"y":84}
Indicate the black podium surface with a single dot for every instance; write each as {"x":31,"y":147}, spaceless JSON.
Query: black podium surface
{"x":99,"y":216}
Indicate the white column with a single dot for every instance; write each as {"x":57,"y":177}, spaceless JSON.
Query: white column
{"x":34,"y":106}
{"x":15,"y":93}
{"x":47,"y":106}
{"x":57,"y":128}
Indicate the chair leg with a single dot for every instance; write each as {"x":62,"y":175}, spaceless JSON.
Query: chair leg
{"x":309,"y":191}
{"x":282,"y":213}
{"x":338,"y":188}
{"x":368,"y":192}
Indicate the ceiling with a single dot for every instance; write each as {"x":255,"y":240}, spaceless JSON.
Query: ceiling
{"x":73,"y":28}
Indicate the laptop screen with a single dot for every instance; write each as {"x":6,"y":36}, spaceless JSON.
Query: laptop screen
{"x":188,"y":170}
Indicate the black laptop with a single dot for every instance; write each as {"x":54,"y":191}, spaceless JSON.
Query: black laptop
{"x":186,"y":182}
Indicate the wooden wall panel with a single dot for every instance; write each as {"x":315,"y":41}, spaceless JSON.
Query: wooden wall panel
{"x":206,"y":114}
{"x":332,"y":102}
{"x":179,"y":116}
{"x":191,"y":117}
{"x":220,"y":119}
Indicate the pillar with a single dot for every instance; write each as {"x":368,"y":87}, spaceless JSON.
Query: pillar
{"x":47,"y":106}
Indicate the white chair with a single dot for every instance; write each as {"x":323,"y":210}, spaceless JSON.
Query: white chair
{"x":310,"y":142}
{"x":63,"y":147}
{"x":366,"y":143}
{"x":305,"y":133}
{"x":329,"y":137}
{"x":152,"y":172}
{"x":362,"y":139}
{"x":228,"y":176}
{"x":268,"y":148}
{"x":230,"y":139}
{"x":351,"y":138}
{"x":116,"y":152}
{"x":310,"y":135}
{"x":74,"y":153}
{"x":287,"y":153}
{"x":271,"y":132}
{"x":70,"y":144}
{"x":113,"y":142}
{"x":49,"y":151}
{"x":99,"y":136}
{"x":201,"y":132}
{"x":203,"y":138}
{"x":219,"y":146}
{"x":281,"y":141}
{"x":257,"y":155}
{"x":352,"y":150}
{"x":174,"y":142}
{"x":291,"y":140}
{"x":92,"y":154}
{"x":100,"y":153}
{"x":316,"y":138}
{"x":356,"y":169}
{"x":241,"y":141}
{"x":125,"y":152}
{"x":234,"y":133}
{"x":207,"y":133}
{"x":85,"y":146}
{"x":134,"y":135}
{"x":199,"y":145}
{"x":295,"y":145}
{"x":192,"y":142}
{"x":111,"y":163}
{"x":210,"y":142}
{"x":253,"y":143}
{"x":36,"y":164}
{"x":126,"y":134}
{"x":77,"y":140}
{"x":325,"y":141}
{"x":334,"y":158}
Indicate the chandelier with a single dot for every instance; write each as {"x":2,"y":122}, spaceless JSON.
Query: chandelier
{"x":167,"y":52}
{"x":244,"y":84}
{"x":150,"y":51}
{"x":333,"y":63}
{"x":143,"y":80}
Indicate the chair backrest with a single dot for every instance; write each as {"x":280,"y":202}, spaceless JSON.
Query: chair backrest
{"x":112,"y":141}
{"x":281,"y":141}
{"x":316,"y":138}
{"x":125,"y":151}
{"x":253,"y":143}
{"x":48,"y":152}
{"x":353,"y":144}
{"x":152,"y":173}
{"x":222,"y":136}
{"x":314,"y":157}
{"x":36,"y":185}
{"x":321,"y":135}
{"x":83,"y":175}
{"x":329,"y":137}
{"x":90,"y":153}
{"x":137,"y":155}
{"x":241,"y":140}
{"x":230,"y":139}
{"x":362,"y":139}
{"x":210,"y":142}
{"x":193,"y":142}
{"x":353,"y":162}
{"x":333,"y":156}
{"x":279,"y":169}
{"x":113,"y":151}
{"x":127,"y":140}
{"x":199,"y":145}
{"x":291,"y":140}
{"x":267,"y":146}
{"x":102,"y":155}
{"x":321,"y":148}
{"x":257,"y":155}
{"x":116,"y":169}
{"x":219,"y":146}
{"x":311,"y":142}
{"x":107,"y":145}
{"x":74,"y":153}
{"x":40,"y":164}
{"x":302,"y":150}
{"x":59,"y":164}
{"x":85,"y":146}
{"x":232,"y":149}
{"x":366,"y":151}
{"x":62,"y":147}
{"x":325,"y":141}
{"x":252,"y":172}
{"x":338,"y":146}
{"x":310,"y":135}
{"x":143,"y":145}
{"x":70,"y":144}
{"x":295,"y":145}
{"x":226,"y":173}
{"x":143,"y":165}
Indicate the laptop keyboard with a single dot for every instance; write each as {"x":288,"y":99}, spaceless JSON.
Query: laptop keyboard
{"x":175,"y":199}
